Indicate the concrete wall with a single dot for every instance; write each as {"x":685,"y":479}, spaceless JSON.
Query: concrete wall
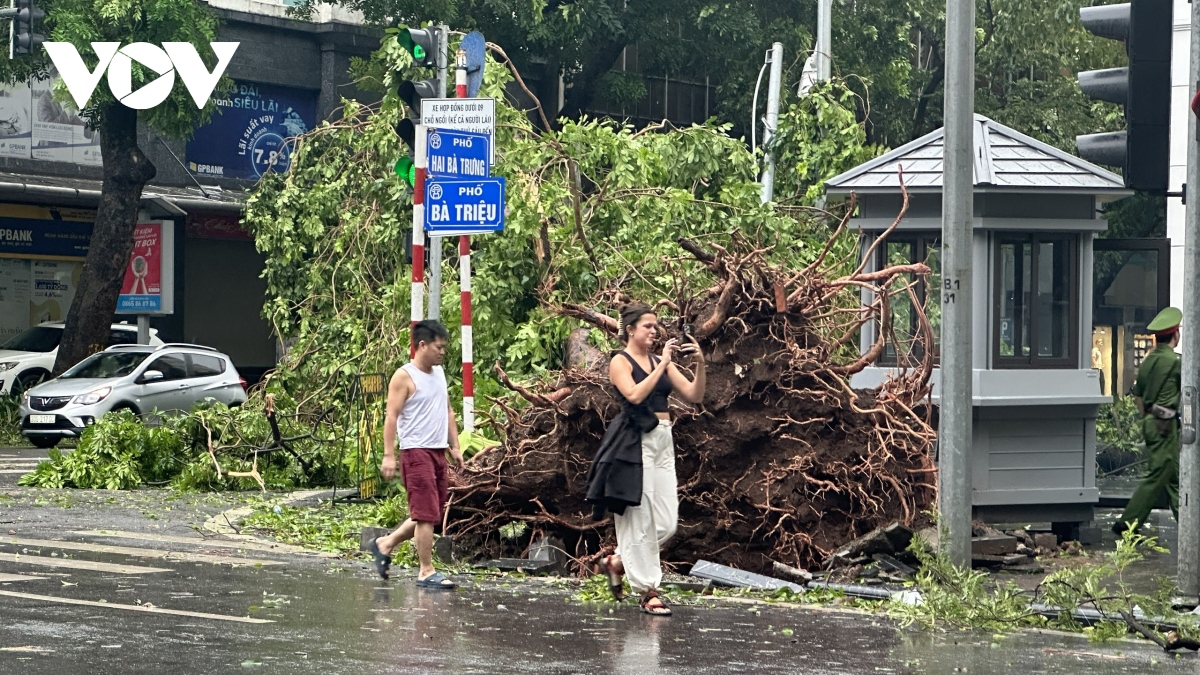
{"x":1181,"y":116}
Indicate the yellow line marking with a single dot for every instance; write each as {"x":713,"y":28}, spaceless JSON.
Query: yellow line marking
{"x":79,"y":564}
{"x":138,"y":552}
{"x":248,"y":543}
{"x":134,"y":608}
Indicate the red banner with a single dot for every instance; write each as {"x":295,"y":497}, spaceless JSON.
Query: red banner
{"x":142,"y":289}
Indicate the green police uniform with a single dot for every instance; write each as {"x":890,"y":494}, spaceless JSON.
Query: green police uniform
{"x":1158,"y":383}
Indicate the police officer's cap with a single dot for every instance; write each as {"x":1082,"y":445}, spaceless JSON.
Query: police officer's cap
{"x":1166,"y":320}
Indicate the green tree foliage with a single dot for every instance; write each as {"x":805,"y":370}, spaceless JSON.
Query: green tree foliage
{"x":591,"y":206}
{"x":126,"y":168}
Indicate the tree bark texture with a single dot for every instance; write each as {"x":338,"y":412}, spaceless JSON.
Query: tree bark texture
{"x":126,"y":172}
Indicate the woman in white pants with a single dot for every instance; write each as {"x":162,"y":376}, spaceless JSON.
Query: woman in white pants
{"x":641,"y":377}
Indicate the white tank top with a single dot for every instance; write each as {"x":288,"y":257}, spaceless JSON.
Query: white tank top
{"x":425,"y":420}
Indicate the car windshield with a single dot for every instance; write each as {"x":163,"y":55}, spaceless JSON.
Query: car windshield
{"x":105,"y":365}
{"x":37,"y":339}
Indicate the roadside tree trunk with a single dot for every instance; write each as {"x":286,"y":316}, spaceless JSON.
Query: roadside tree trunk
{"x":126,"y":172}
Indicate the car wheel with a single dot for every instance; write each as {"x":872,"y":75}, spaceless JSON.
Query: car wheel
{"x":28,"y":380}
{"x":44,"y":442}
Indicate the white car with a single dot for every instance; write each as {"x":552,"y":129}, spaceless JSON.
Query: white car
{"x":28,"y":358}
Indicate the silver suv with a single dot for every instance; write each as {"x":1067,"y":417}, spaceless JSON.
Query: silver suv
{"x":140,"y":378}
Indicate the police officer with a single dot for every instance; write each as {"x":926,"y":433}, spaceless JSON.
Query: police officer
{"x":1156,"y":392}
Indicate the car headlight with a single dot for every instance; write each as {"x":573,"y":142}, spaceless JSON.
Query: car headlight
{"x":92,"y":397}
{"x":8,"y":365}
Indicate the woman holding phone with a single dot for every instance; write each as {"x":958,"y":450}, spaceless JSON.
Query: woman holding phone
{"x":644,"y":379}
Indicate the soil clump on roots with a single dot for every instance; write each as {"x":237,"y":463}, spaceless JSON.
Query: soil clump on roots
{"x":782,"y":461}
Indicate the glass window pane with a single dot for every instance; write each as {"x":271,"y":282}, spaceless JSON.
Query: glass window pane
{"x":1015,"y":266}
{"x":1054,"y":299}
{"x":901,"y":319}
{"x":933,"y":300}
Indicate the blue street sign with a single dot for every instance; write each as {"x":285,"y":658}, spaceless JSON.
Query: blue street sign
{"x":459,"y":154}
{"x":464,"y":206}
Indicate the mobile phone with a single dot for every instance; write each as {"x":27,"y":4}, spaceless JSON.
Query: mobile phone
{"x":687,"y":329}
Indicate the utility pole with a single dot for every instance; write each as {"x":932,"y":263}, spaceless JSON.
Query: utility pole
{"x":958,"y":180}
{"x":1189,"y":463}
{"x":824,"y":40}
{"x":768,"y":175}
{"x":435,"y":242}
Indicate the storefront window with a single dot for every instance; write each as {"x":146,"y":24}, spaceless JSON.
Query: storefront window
{"x":1036,"y":307}
{"x":904,"y":343}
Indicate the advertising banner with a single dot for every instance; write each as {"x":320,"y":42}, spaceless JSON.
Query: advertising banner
{"x":59,"y":134}
{"x":248,"y":135}
{"x":141,"y":291}
{"x":16,"y":120}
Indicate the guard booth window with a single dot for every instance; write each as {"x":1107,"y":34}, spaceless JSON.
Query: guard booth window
{"x":904,"y":343}
{"x":1036,"y":302}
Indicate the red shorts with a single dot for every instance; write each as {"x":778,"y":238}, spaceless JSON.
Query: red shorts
{"x":426,"y":483}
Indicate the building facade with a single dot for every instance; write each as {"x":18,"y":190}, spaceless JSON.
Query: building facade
{"x":289,"y":76}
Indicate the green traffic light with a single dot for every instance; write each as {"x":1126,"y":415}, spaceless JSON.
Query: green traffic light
{"x":418,"y":52}
{"x":407,"y":171}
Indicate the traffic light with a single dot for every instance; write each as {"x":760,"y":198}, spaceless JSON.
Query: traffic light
{"x":422,"y":44}
{"x":22,"y":39}
{"x":1143,"y":88}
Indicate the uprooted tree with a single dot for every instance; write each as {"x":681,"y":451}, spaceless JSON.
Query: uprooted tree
{"x":783,"y":458}
{"x":782,"y":461}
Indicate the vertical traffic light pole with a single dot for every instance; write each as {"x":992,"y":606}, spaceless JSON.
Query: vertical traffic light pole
{"x":464,"y":279}
{"x":956,"y":404}
{"x":1189,"y":463}
{"x":418,"y":234}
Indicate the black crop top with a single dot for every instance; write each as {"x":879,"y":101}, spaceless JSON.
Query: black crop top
{"x":657,"y":400}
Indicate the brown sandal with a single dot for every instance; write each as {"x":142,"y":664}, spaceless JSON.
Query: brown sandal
{"x":617,"y":588}
{"x":659,"y":609}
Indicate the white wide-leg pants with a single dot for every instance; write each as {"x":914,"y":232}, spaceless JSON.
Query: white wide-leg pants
{"x":643,"y":529}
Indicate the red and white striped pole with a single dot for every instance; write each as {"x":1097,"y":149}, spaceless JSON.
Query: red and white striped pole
{"x":418,"y":238}
{"x":464,"y":279}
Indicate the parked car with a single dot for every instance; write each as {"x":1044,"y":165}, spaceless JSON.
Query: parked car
{"x":139,"y":378}
{"x":28,"y":358}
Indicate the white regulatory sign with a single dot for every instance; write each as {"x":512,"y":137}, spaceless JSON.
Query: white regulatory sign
{"x":477,"y":115}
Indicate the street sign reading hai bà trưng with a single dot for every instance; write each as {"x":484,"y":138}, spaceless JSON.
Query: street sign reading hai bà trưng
{"x":459,"y":154}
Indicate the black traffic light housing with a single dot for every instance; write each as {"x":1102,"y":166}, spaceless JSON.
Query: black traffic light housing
{"x":1142,"y":150}
{"x":412,"y":93}
{"x":22,"y":39}
{"x":422,"y":44}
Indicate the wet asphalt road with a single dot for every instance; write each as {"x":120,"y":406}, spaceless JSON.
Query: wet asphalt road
{"x":335,"y":617}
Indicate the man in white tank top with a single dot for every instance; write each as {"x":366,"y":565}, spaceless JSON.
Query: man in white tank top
{"x":420,"y":416}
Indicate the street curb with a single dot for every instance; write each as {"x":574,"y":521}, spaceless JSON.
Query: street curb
{"x":225,"y":523}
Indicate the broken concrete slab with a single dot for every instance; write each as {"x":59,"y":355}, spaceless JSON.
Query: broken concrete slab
{"x":891,"y":539}
{"x":551,"y":550}
{"x":1046,"y":541}
{"x":998,"y":560}
{"x":729,"y":576}
{"x":890,"y":564}
{"x":993,"y":545}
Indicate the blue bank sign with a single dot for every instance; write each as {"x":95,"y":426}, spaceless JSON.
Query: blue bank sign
{"x":464,"y":206}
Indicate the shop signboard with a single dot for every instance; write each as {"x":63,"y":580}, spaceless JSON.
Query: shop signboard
{"x":146,"y":287}
{"x":249,"y":134}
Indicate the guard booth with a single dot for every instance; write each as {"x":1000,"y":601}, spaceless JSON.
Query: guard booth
{"x":1036,"y":396}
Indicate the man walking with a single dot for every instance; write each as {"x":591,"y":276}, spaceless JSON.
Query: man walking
{"x":419,"y":413}
{"x":1157,"y":394}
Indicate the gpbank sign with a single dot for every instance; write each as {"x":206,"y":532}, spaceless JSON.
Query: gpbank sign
{"x":117,"y":62}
